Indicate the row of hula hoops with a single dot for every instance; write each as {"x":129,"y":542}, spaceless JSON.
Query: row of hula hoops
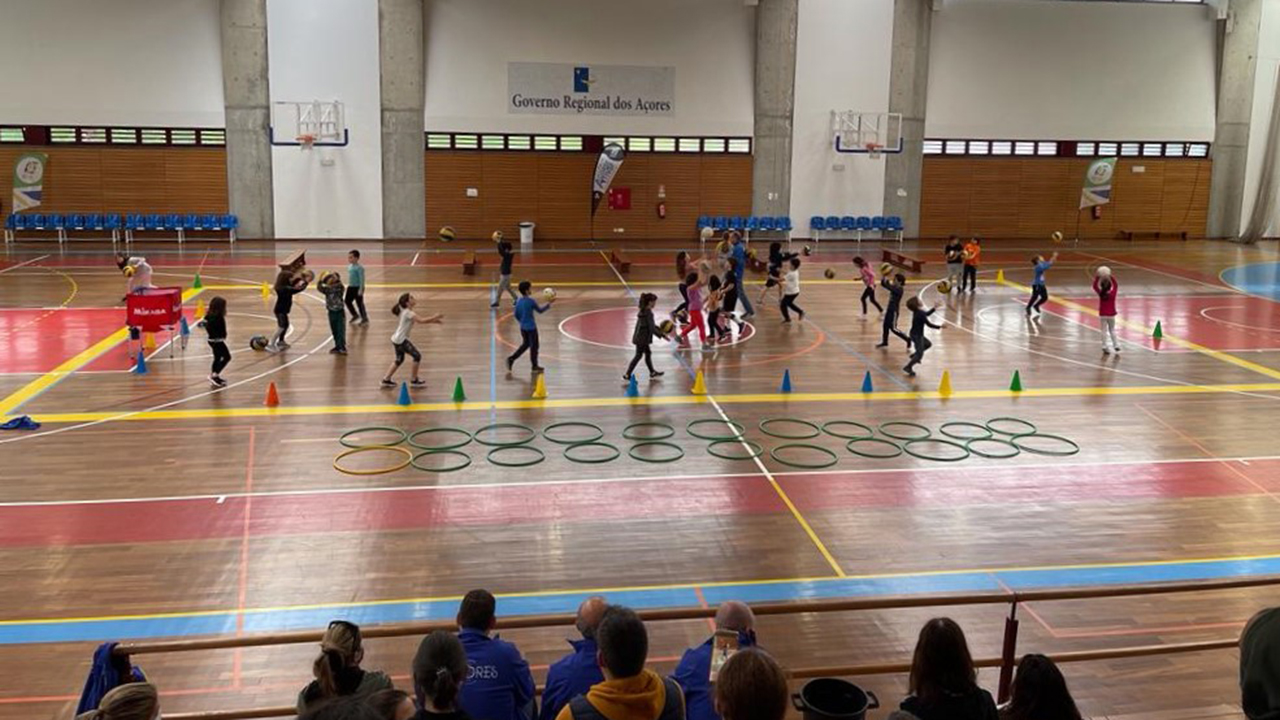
{"x":583,"y":442}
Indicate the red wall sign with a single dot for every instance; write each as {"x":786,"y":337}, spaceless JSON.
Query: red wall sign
{"x":619,"y":198}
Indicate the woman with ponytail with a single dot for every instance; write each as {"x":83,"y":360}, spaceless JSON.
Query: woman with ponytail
{"x":337,"y":669}
{"x":439,"y":669}
{"x":133,"y":701}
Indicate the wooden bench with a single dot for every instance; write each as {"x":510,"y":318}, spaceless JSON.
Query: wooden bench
{"x":897,"y":259}
{"x":620,"y":260}
{"x":1130,"y":234}
{"x":469,"y":262}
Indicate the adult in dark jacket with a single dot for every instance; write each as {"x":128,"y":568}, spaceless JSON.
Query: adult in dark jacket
{"x":575,"y":673}
{"x":944,"y":681}
{"x":694,"y":671}
{"x":642,"y":336}
{"x":337,"y":669}
{"x":499,"y":685}
{"x":1260,"y":666}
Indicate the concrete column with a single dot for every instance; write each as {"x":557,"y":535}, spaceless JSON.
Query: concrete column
{"x":776,"y":22}
{"x":908,"y":93}
{"x":248,"y":109}
{"x":402,"y":48}
{"x":1236,"y":69}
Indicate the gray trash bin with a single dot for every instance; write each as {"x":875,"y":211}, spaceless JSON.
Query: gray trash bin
{"x":526,"y":232}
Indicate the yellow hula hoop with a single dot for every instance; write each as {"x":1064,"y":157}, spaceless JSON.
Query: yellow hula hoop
{"x":408,"y":458}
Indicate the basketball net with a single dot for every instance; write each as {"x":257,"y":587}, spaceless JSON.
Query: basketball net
{"x":874,"y":150}
{"x":306,"y":142}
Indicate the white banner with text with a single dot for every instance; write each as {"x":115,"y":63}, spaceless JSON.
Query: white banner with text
{"x":566,"y":89}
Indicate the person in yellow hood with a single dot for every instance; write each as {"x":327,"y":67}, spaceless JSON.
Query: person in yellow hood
{"x":629,"y":691}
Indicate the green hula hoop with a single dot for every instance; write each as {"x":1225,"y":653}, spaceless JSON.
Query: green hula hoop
{"x":507,"y":463}
{"x":866,"y":430}
{"x":342,"y":440}
{"x":448,"y":468}
{"x":971,"y":446}
{"x":425,"y":431}
{"x":546,"y":432}
{"x":533,"y":435}
{"x":629,"y":435}
{"x":591,"y":444}
{"x":873,"y":441}
{"x":811,"y":430}
{"x":936,"y":458}
{"x":655,"y":443}
{"x":1072,"y":450}
{"x":887,"y":429}
{"x":736,"y":427}
{"x":992,"y":422}
{"x":949,"y":429}
{"x":806,"y":466}
{"x":754,"y":448}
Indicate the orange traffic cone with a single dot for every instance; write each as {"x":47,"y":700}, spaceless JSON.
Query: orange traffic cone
{"x":273,"y":396}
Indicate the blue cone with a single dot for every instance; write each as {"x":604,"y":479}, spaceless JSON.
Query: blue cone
{"x":866,"y":382}
{"x":633,"y":389}
{"x":183,"y":328}
{"x":786,"y":381}
{"x":140,"y":368}
{"x":404,"y":395}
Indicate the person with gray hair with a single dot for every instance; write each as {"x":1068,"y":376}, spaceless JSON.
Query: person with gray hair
{"x":575,"y":673}
{"x":694,"y":671}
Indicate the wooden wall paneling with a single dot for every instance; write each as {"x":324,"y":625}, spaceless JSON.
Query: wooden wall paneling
{"x":633,"y":224}
{"x":74,"y":181}
{"x":681,"y":175}
{"x":726,"y":185}
{"x":1182,"y":205}
{"x":448,"y":175}
{"x":196,"y":180}
{"x":1045,"y":201}
{"x":1136,"y":197}
{"x":564,"y":195}
{"x":509,"y":193}
{"x":945,"y":197}
{"x":993,"y":197}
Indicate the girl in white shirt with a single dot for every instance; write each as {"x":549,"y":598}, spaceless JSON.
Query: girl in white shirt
{"x":400,"y":339}
{"x":791,"y":291}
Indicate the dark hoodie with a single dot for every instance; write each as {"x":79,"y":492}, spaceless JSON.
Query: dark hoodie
{"x":1260,"y":666}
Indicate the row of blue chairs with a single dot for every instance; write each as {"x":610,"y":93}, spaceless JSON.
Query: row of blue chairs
{"x":746,"y":224}
{"x":859,"y":225}
{"x":66,"y":223}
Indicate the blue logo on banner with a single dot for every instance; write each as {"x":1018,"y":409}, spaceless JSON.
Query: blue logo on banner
{"x":582,"y":79}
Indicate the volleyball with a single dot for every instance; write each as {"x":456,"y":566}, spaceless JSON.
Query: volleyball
{"x":829,"y":274}
{"x":1104,"y":271}
{"x":258,"y":342}
{"x":549,"y":294}
{"x":129,"y":270}
{"x":307,"y":276}
{"x":497,"y":236}
{"x":666,"y":326}
{"x":706,"y":234}
{"x":885,"y":268}
{"x":448,"y":234}
{"x":944,"y":287}
{"x":751,"y":253}
{"x":808,"y":251}
{"x":1057,"y":236}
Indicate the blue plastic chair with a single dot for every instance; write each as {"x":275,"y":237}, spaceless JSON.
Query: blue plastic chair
{"x":719,"y":223}
{"x":768,"y":223}
{"x":737,"y":223}
{"x":152,"y":221}
{"x":833,"y":222}
{"x":782,"y":223}
{"x":703,"y":221}
{"x":877,"y":223}
{"x":753,"y":223}
{"x":10,"y":222}
{"x":817,"y":223}
{"x":94,"y":221}
{"x":231,"y":221}
{"x":864,"y":223}
{"x":848,"y":222}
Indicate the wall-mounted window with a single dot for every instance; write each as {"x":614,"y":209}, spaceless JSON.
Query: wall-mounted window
{"x":578,"y":143}
{"x":88,"y":135}
{"x":1064,"y":148}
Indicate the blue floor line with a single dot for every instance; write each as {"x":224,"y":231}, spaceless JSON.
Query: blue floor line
{"x":1261,"y":279}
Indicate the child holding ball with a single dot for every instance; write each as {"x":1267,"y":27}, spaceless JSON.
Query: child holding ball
{"x":1106,"y":288}
{"x":527,"y":311}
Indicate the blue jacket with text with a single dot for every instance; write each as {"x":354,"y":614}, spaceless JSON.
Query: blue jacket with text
{"x":570,"y":676}
{"x":499,"y":685}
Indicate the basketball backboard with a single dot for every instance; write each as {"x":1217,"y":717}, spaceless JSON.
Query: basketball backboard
{"x":320,"y":123}
{"x":866,"y":133}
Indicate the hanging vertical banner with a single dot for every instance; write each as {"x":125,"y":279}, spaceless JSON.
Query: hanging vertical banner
{"x":1097,"y":182}
{"x":606,"y":168}
{"x":28,"y":181}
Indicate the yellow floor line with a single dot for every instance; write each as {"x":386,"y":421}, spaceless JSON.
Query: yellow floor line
{"x":305,"y":410}
{"x":643,"y":588}
{"x":567,"y":283}
{"x":1173,"y":340}
{"x":71,"y":365}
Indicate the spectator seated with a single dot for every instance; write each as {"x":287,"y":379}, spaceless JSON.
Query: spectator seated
{"x":629,"y":691}
{"x":337,"y":670}
{"x":694,"y":671}
{"x":499,"y":684}
{"x":944,"y":681}
{"x":439,"y":671}
{"x":575,"y":673}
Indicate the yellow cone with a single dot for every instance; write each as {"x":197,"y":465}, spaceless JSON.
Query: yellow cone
{"x":699,"y":384}
{"x":944,"y":387}
{"x":199,"y":308}
{"x":266,"y":291}
{"x":1000,"y":276}
{"x":540,"y":388}
{"x":149,"y":341}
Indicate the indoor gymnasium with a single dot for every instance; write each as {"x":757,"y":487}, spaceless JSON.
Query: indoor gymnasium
{"x":640,"y":359}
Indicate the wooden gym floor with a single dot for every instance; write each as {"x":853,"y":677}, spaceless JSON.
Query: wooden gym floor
{"x":149,"y":506}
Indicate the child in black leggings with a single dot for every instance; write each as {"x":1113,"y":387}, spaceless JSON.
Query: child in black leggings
{"x":791,"y":291}
{"x":646,"y":330}
{"x":215,"y":324}
{"x":919,"y":321}
{"x":869,"y":280}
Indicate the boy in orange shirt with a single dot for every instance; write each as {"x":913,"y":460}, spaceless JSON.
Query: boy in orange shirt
{"x":972,"y":251}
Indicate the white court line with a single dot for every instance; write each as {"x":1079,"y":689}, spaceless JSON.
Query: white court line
{"x":1160,"y":272}
{"x":23,"y":264}
{"x":1246,"y":459}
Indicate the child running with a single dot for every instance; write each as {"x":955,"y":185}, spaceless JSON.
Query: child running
{"x":527,"y":311}
{"x":893,"y":305}
{"x":1104,"y":284}
{"x":215,"y":324}
{"x":642,"y":337}
{"x":716,"y":291}
{"x":868,"y":279}
{"x":919,"y":320}
{"x":400,"y":339}
{"x":287,"y":285}
{"x":355,"y":289}
{"x":331,"y":287}
{"x":777,"y":259}
{"x":1039,"y":291}
{"x":694,"y":285}
{"x":791,"y":291}
{"x":682,"y":272}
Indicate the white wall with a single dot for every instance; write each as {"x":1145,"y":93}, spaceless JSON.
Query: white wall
{"x":842,"y":63}
{"x":1015,"y":69}
{"x":122,"y":62}
{"x":711,"y":44}
{"x":328,"y":50}
{"x":1263,"y":96}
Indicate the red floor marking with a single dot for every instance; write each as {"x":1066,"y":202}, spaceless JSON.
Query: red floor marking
{"x":1229,"y":322}
{"x":1178,"y":270}
{"x":37,"y":341}
{"x":414,"y":509}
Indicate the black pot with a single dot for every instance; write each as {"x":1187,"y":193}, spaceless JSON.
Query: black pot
{"x":834,"y":699}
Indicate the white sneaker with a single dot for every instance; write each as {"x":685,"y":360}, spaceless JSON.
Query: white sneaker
{"x":1106,"y":351}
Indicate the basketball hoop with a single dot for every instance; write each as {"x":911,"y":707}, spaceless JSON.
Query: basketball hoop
{"x":306,"y":141}
{"x":874,"y":150}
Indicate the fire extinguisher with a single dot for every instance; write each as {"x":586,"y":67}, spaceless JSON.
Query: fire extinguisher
{"x":1097,"y":212}
{"x":662,"y":202}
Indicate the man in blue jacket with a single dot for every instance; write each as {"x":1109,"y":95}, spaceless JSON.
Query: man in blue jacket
{"x":575,"y":673}
{"x":499,"y":685}
{"x":694,"y":671}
